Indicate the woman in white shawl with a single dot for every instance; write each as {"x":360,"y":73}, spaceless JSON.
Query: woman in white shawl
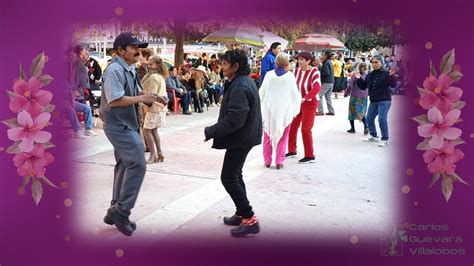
{"x":280,"y":103}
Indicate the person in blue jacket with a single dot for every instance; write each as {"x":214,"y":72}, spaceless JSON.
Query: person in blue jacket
{"x":268,"y":61}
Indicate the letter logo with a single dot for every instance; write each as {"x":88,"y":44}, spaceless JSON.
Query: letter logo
{"x":392,"y":241}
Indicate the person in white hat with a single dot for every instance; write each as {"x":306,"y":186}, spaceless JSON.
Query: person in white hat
{"x":196,"y":85}
{"x":363,"y":59}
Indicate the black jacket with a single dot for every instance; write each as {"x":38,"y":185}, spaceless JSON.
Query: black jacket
{"x":240,"y":121}
{"x":378,"y":83}
{"x":95,"y":72}
{"x":327,"y":72}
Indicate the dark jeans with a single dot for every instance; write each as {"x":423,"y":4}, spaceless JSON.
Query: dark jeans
{"x":216,"y":93}
{"x":381,"y":109}
{"x":198,"y":101}
{"x":232,"y":179}
{"x":185,"y":100}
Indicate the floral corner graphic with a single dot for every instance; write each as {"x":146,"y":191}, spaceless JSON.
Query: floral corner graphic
{"x":437,"y":126}
{"x":33,"y":109}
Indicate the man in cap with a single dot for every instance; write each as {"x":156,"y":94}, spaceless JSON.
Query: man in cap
{"x":121,"y":95}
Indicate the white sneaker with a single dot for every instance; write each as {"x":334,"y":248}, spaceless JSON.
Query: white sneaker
{"x":78,"y":135}
{"x":89,"y":132}
{"x":383,"y":143}
{"x":372,"y":139}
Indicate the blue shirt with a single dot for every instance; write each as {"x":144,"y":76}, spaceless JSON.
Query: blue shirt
{"x":120,"y":80}
{"x":174,"y":83}
{"x":268,"y":63}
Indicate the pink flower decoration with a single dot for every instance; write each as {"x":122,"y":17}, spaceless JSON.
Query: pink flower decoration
{"x":440,"y":127}
{"x":439,"y":93}
{"x":443,"y":159}
{"x":30,"y":130}
{"x":33,"y":163}
{"x":29,"y":97}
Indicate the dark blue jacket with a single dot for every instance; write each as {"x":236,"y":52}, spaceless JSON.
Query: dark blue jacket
{"x":378,"y":83}
{"x":240,"y":121}
{"x":327,"y":72}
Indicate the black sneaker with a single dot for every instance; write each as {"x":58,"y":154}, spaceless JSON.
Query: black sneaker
{"x":351,"y":130}
{"x":109,"y":220}
{"x":290,"y":155}
{"x":244,"y":230}
{"x":233,"y":220}
{"x":307,"y":160}
{"x":122,"y":223}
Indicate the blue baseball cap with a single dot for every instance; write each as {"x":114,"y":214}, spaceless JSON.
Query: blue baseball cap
{"x":127,"y":38}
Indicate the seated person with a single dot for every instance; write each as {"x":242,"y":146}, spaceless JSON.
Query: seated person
{"x":216,"y":84}
{"x":84,"y":108}
{"x":196,"y":85}
{"x":173,"y":82}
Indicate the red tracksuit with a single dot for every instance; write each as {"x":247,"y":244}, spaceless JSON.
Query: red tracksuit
{"x":309,"y":84}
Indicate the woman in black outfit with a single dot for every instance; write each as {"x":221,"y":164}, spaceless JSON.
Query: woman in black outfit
{"x":238,"y":129}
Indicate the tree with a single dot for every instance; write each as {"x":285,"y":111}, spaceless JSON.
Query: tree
{"x":290,"y":30}
{"x":360,"y":40}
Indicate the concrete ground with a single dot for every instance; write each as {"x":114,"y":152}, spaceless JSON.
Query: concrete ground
{"x":349,"y":190}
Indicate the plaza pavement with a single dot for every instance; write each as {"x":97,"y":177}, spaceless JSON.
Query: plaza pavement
{"x":350,"y":190}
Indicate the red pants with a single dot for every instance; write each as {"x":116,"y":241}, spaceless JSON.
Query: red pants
{"x":306,"y":118}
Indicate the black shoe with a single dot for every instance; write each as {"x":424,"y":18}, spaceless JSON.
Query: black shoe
{"x":121,"y":222}
{"x":366,"y":131}
{"x":109,"y":220}
{"x":233,"y":220}
{"x":329,"y":113}
{"x":320,"y":113}
{"x":244,"y":230}
{"x":351,"y":130}
{"x":307,"y":160}
{"x":290,"y":155}
{"x":187,"y":113}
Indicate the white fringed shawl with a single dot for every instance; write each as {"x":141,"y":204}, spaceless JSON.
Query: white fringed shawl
{"x":280,"y":102}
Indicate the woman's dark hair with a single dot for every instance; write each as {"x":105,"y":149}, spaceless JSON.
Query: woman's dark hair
{"x":328,"y":54}
{"x":78,"y":49}
{"x":306,"y":56}
{"x":238,"y":56}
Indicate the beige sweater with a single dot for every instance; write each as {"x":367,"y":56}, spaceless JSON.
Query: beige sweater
{"x":154,"y":83}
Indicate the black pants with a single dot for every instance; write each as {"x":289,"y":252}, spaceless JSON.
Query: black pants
{"x":198,"y":101}
{"x":231,"y":177}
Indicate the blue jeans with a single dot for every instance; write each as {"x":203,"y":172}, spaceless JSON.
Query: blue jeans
{"x":71,"y":115}
{"x":381,"y":109}
{"x":86,"y":109}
